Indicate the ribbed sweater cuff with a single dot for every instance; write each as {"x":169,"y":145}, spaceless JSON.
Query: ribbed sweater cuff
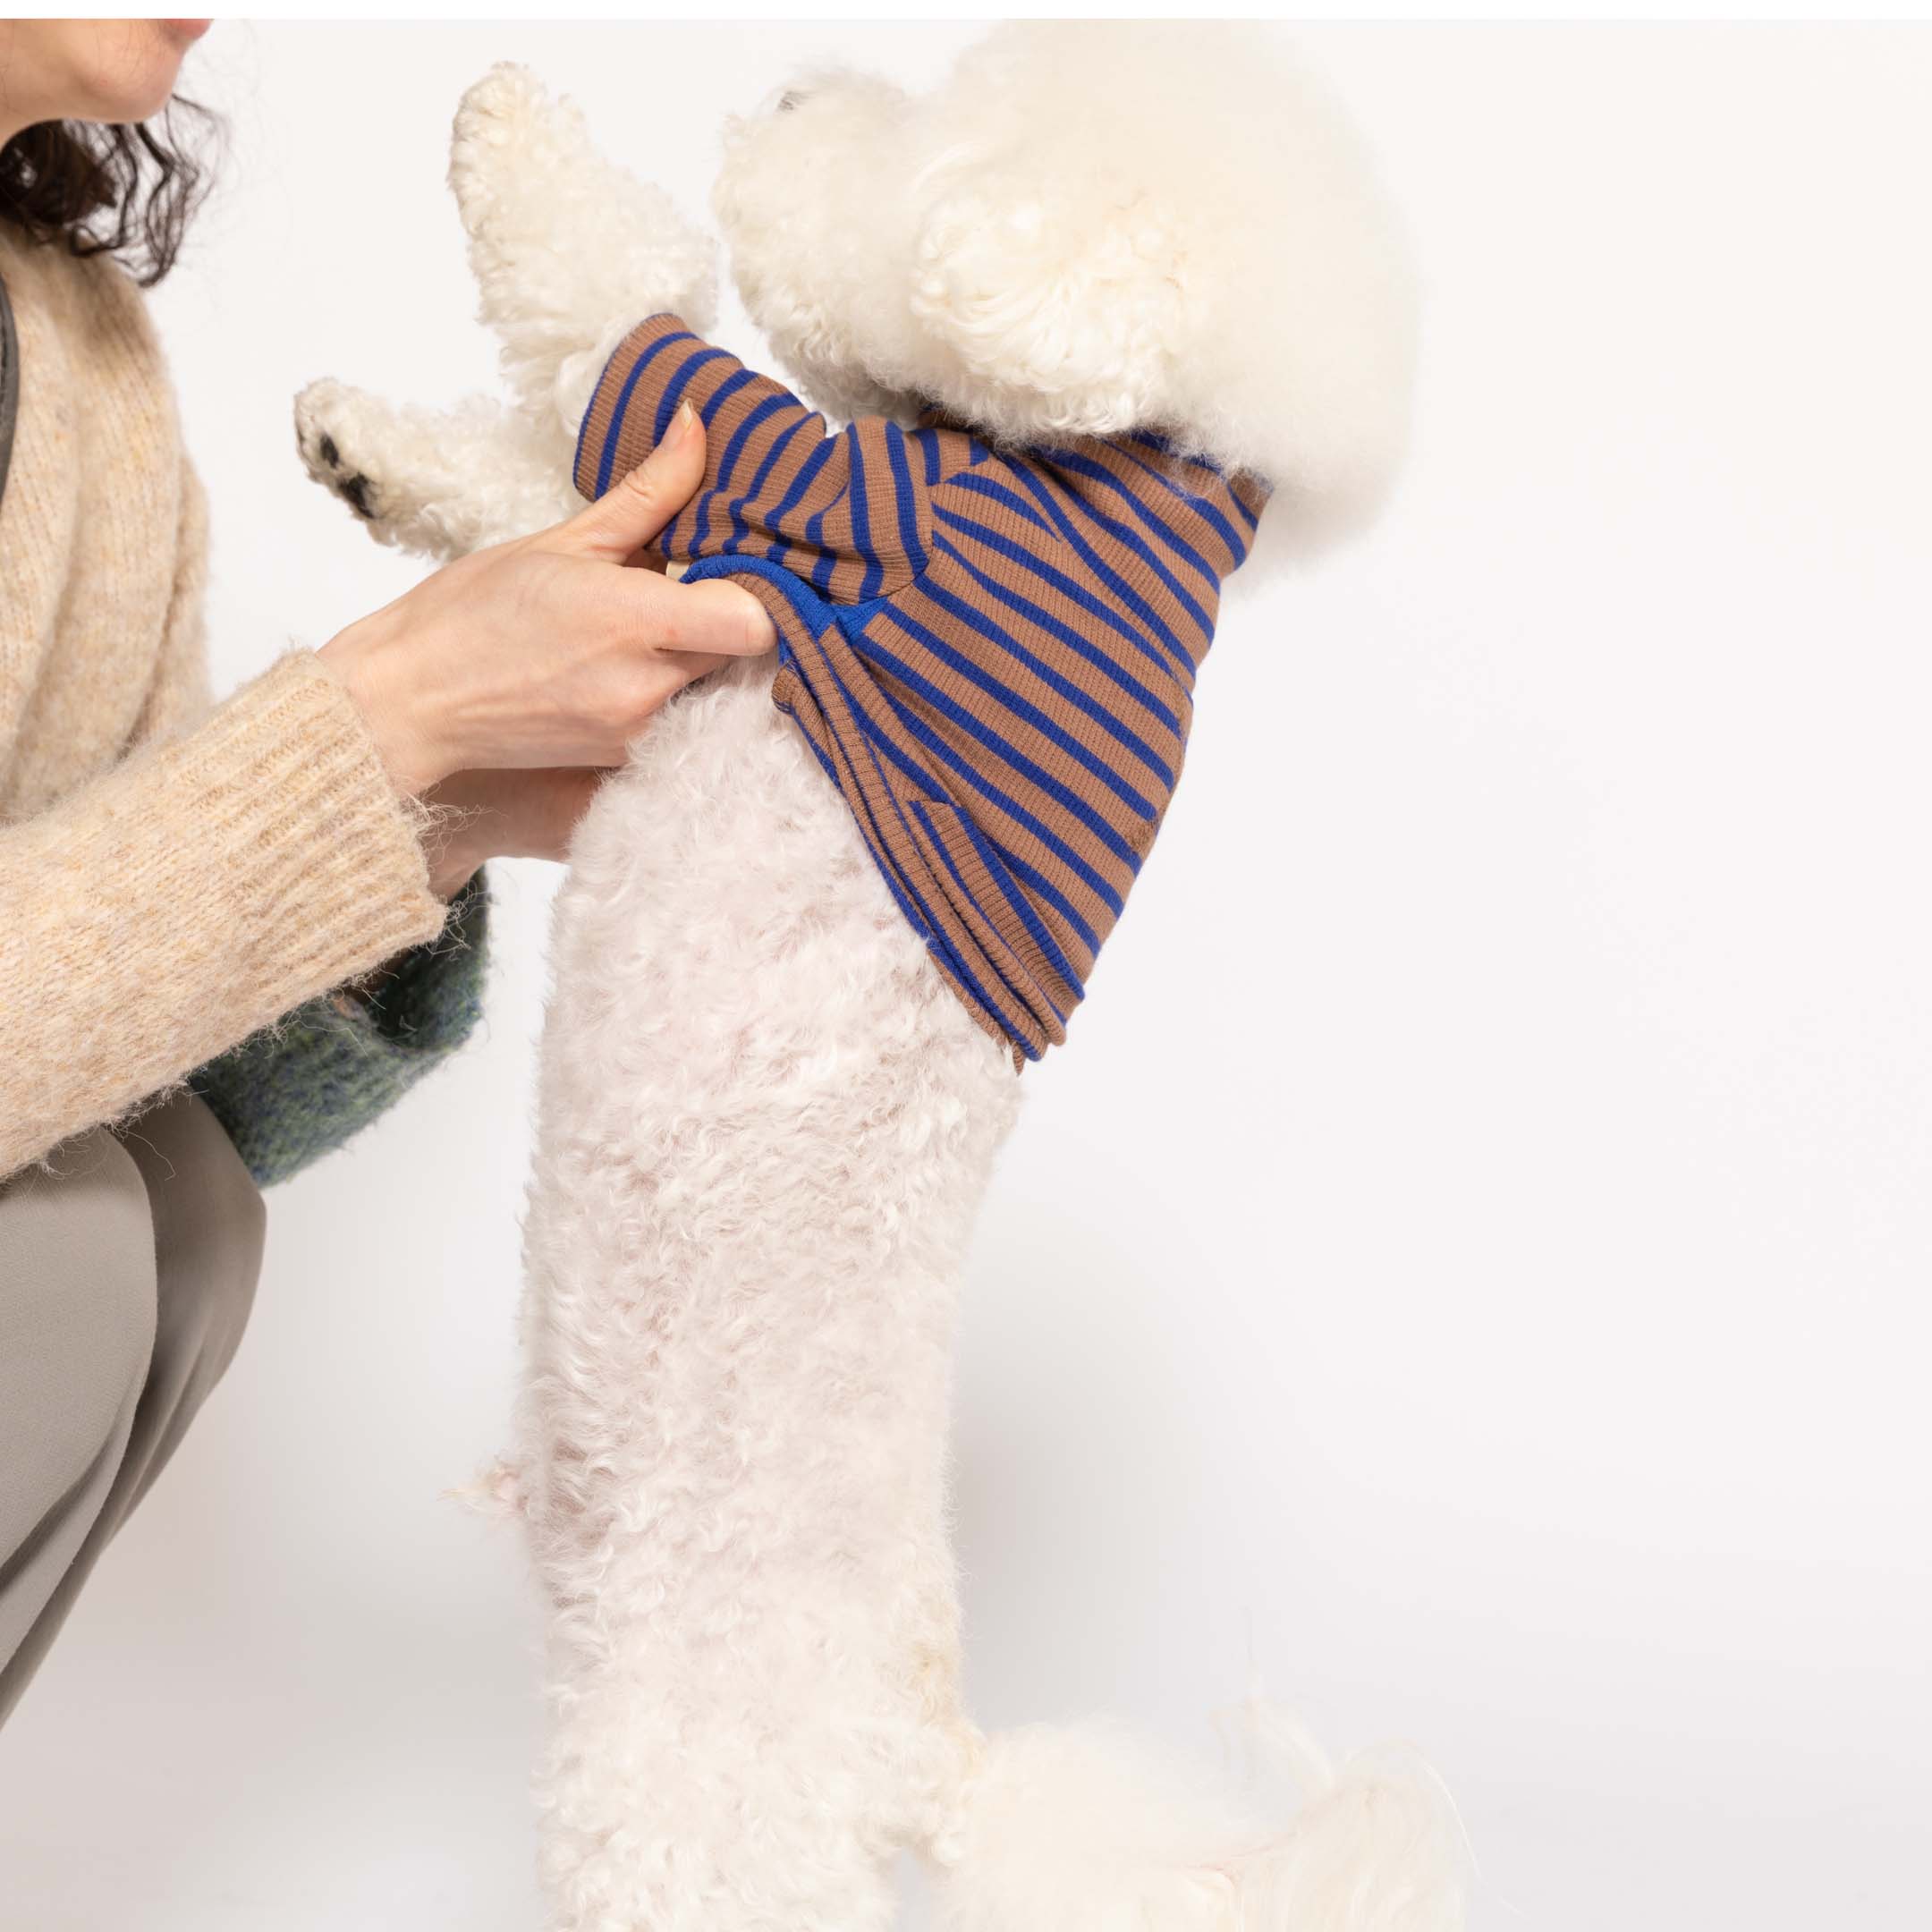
{"x":199,"y":890}
{"x":306,"y":829}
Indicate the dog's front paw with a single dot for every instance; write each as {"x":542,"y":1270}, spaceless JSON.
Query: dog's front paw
{"x":324,"y":423}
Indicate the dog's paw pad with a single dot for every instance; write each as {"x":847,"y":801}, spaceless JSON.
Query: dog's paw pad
{"x":322,"y":454}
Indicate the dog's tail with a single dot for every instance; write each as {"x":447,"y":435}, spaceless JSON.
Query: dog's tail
{"x":1083,"y":1830}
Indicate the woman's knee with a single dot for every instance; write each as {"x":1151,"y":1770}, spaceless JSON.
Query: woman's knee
{"x":78,"y":1312}
{"x":239,"y":1228}
{"x":209,"y":1226}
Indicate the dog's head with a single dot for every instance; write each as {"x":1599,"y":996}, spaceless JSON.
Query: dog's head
{"x":1090,"y":229}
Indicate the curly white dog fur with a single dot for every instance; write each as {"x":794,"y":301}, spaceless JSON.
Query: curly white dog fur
{"x":766,"y":1125}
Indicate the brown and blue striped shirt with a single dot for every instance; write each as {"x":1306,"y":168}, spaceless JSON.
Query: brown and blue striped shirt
{"x":992,"y":652}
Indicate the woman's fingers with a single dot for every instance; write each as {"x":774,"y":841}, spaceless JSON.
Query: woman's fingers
{"x":639,"y":505}
{"x":542,"y":652}
{"x":485,"y":815}
{"x":715,"y":618}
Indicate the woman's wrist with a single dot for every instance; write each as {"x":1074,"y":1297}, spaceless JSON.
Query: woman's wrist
{"x":364,"y":660}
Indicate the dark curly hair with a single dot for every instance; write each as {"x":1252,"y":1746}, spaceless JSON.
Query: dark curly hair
{"x":98,"y":189}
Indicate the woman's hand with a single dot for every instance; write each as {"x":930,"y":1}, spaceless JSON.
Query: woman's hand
{"x":545,"y":653}
{"x":503,"y":815}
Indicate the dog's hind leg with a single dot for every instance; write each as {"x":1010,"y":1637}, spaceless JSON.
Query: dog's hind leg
{"x":765,"y":1127}
{"x":438,"y":483}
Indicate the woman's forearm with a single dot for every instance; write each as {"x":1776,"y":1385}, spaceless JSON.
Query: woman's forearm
{"x":160,"y":914}
{"x":210,"y":885}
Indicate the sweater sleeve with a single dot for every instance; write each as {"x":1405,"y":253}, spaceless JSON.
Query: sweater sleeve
{"x":192,"y":895}
{"x":302,"y":1087}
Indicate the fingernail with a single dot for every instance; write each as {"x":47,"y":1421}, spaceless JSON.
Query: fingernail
{"x":684,"y":422}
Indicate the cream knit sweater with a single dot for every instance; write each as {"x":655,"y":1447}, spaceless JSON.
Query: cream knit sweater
{"x":172,"y":878}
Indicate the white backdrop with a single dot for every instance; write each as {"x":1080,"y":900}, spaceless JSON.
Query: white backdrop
{"x":1473,"y":1257}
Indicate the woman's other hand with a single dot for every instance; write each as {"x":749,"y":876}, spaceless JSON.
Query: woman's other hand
{"x":503,"y":815}
{"x":544,"y":654}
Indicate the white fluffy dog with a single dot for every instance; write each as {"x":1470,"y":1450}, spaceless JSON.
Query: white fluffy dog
{"x":766,"y":1121}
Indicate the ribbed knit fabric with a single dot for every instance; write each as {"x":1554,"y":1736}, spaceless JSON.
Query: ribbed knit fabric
{"x":171,"y":879}
{"x":991,"y":652}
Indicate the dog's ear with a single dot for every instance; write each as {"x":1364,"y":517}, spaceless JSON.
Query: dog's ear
{"x":1170,"y":226}
{"x":1059,"y":311}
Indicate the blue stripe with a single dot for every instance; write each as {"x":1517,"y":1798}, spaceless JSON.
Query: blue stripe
{"x":707,"y":415}
{"x":1237,"y":545}
{"x":1083,"y":701}
{"x":1076,"y":806}
{"x":800,"y":483}
{"x":728,"y":462}
{"x":1020,"y":707}
{"x":1165,"y":533}
{"x":821,"y":569}
{"x":926,"y":783}
{"x":1068,"y":587}
{"x":701,"y":509}
{"x":609,"y":454}
{"x":1029,"y":875}
{"x":979,"y":485}
{"x":1016,"y":901}
{"x":909,"y":536}
{"x":1036,"y":614}
{"x":1008,"y":753}
{"x":1120,"y":532}
{"x":740,"y":530}
{"x":583,"y":428}
{"x":743,"y":433}
{"x":996,"y":868}
{"x":1107,"y":574}
{"x":668,"y":401}
{"x":1162,"y":447}
{"x":861,"y":521}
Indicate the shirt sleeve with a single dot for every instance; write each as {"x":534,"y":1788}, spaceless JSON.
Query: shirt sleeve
{"x":845,"y":510}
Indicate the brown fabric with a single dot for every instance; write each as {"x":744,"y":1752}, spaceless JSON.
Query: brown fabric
{"x":992,"y":652}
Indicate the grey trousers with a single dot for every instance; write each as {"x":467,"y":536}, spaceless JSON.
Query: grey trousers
{"x":127,"y":1270}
